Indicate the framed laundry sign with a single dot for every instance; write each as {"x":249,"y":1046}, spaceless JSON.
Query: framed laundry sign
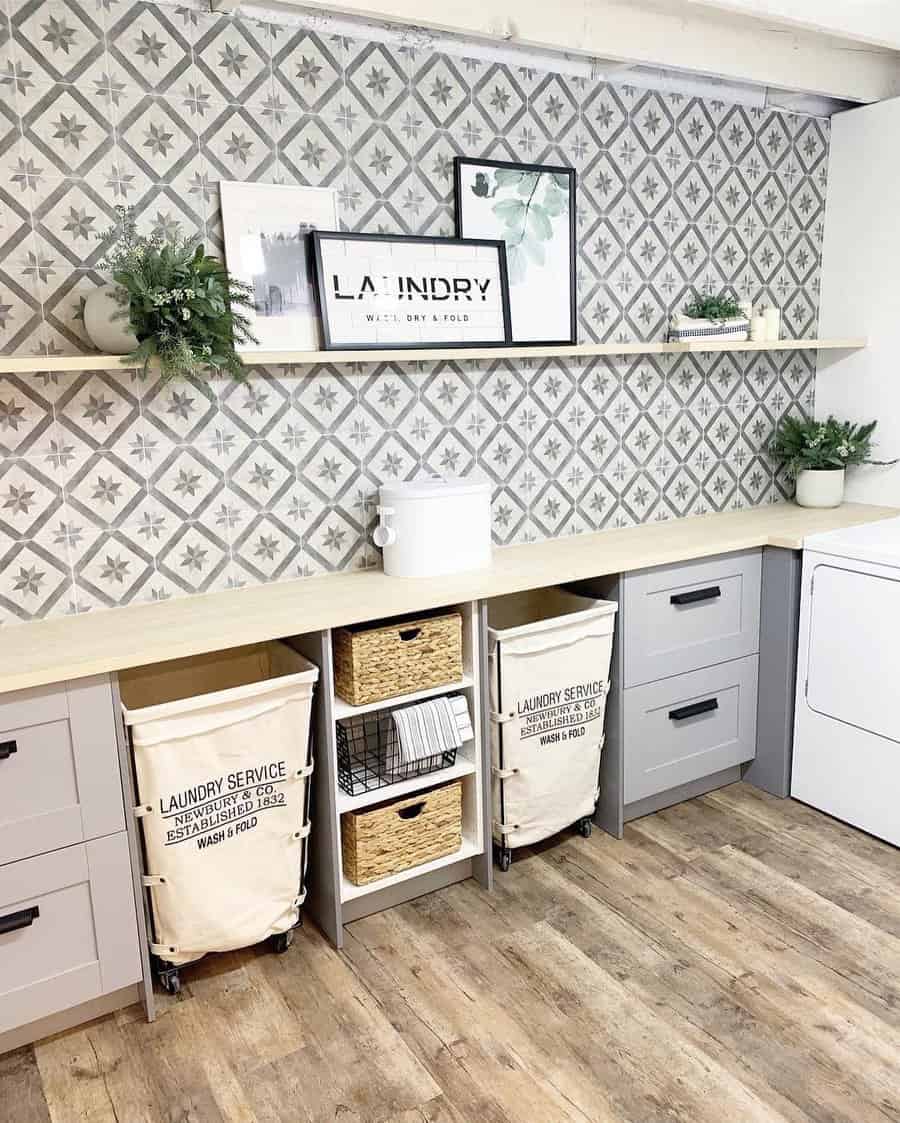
{"x":380,"y":291}
{"x":532,"y":208}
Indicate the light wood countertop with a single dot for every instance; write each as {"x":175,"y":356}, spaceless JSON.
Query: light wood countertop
{"x":70,"y":647}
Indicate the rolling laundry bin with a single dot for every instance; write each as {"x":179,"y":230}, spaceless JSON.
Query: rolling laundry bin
{"x":549,"y":654}
{"x":223,"y":757}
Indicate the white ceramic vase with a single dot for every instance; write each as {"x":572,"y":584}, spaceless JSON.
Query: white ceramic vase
{"x":107,"y":328}
{"x":823,"y":487}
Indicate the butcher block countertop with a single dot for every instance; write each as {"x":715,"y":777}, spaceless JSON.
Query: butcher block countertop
{"x":70,"y":647}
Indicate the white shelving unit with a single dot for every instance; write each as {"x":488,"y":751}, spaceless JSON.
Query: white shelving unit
{"x":34,"y":364}
{"x":351,"y":892}
{"x":343,"y":709}
{"x":464,"y":766}
{"x":334,"y":899}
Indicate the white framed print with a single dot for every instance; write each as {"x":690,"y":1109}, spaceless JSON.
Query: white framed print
{"x":532,"y":208}
{"x":267,"y":227}
{"x":382,"y":291}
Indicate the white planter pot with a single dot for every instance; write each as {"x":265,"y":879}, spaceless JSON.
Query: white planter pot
{"x":107,"y":328}
{"x":820,"y":487}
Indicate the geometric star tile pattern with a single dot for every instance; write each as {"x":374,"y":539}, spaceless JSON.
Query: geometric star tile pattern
{"x":114,"y":488}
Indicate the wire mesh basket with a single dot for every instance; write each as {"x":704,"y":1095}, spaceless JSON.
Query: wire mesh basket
{"x":369,"y":757}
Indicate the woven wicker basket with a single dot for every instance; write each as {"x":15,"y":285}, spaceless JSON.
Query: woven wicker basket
{"x":374,"y":663}
{"x":394,"y":836}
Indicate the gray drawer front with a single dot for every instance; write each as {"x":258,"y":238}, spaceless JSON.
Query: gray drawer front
{"x":59,"y":769}
{"x":721,"y":622}
{"x":661,"y":752}
{"x":83,"y":943}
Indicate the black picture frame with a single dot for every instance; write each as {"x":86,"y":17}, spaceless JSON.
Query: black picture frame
{"x":330,"y":343}
{"x":459,"y":162}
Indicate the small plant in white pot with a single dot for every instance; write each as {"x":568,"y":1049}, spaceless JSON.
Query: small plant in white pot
{"x":710,"y":317}
{"x":816,"y":454}
{"x":170,"y":303}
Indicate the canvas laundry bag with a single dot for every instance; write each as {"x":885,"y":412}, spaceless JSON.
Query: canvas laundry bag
{"x":222,"y":767}
{"x":550,"y":654}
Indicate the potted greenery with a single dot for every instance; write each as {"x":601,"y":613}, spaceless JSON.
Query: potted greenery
{"x":180,"y":305}
{"x":710,"y":317}
{"x":816,"y":453}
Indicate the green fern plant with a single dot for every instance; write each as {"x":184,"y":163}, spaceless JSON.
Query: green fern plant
{"x":715,"y":308}
{"x":802,"y":444}
{"x":183,"y":307}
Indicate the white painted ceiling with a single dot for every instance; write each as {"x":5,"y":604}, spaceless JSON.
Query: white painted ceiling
{"x":873,"y":23}
{"x":815,"y":56}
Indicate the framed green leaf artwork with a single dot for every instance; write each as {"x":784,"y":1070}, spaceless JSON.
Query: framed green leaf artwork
{"x":530,"y":207}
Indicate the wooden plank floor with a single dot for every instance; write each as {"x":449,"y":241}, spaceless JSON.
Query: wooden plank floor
{"x":734,"y":959}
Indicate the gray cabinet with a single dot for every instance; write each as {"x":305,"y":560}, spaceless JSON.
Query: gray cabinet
{"x":682,"y":710}
{"x":693,"y":725}
{"x":59,"y":770}
{"x":69,"y":927}
{"x":684,"y":617}
{"x":68,"y":932}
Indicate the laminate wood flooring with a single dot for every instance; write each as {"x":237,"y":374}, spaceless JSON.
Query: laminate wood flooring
{"x":734,"y":959}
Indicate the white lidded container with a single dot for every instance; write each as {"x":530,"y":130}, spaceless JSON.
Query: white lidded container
{"x":431,"y":527}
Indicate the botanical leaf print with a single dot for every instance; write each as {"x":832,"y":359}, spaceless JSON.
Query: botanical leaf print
{"x":526,"y":204}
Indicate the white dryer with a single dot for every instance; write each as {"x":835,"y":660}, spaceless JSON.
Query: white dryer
{"x":847,"y":724}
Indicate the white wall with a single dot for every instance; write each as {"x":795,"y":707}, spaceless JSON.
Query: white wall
{"x":861,"y":287}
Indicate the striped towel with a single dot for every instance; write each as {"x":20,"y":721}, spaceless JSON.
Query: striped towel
{"x":460,"y":707}
{"x":431,"y":728}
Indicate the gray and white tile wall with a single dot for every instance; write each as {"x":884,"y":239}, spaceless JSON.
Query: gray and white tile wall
{"x":114,"y":488}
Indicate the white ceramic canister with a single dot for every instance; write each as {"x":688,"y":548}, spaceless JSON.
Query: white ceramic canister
{"x":432,"y":527}
{"x":758,"y":329}
{"x":772,"y":316}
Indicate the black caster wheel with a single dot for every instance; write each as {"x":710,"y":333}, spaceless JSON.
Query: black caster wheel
{"x":503,"y":857}
{"x":171,"y":982}
{"x":282,"y":941}
{"x":585,"y":827}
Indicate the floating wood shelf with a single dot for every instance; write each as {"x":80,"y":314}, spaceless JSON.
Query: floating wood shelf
{"x":34,"y":364}
{"x":781,"y":345}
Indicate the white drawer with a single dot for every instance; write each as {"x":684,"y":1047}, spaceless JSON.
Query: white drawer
{"x":679,"y":618}
{"x":68,"y":931}
{"x":689,"y":726}
{"x":59,"y":768}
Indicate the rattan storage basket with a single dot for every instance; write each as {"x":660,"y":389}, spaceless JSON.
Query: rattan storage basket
{"x":382,"y":840}
{"x":372,"y":663}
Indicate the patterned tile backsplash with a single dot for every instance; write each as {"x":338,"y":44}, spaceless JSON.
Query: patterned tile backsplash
{"x":114,"y":488}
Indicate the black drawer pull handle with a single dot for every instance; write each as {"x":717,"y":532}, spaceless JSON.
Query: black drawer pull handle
{"x":7,"y":748}
{"x":410,"y":633}
{"x":695,"y":596}
{"x":15,"y":920}
{"x":694,"y":709}
{"x":412,"y":811}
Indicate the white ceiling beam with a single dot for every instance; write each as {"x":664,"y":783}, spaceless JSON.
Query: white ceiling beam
{"x":686,"y":38}
{"x":875,"y":22}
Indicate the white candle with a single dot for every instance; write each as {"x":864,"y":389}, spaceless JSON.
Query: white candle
{"x":758,"y":329}
{"x":773,"y":323}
